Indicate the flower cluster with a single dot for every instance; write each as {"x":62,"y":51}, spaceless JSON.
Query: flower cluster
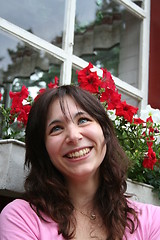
{"x":106,"y":90}
{"x":139,"y":136}
{"x":150,"y":159}
{"x":14,"y":119}
{"x":18,"y":108}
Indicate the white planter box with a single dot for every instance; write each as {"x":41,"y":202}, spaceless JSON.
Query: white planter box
{"x":142,"y":192}
{"x":12,"y":174}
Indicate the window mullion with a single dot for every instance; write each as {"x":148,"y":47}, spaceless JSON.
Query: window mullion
{"x":144,"y":56}
{"x":32,"y":40}
{"x":68,"y":38}
{"x":133,"y":8}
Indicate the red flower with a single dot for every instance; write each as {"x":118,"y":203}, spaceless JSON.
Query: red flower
{"x":151,"y":129}
{"x":23,"y":114}
{"x":113,"y":98}
{"x":17,"y":108}
{"x":149,"y":119}
{"x":110,"y":94}
{"x":85,"y":71}
{"x":149,"y":143}
{"x":42,"y":90}
{"x":149,"y":160}
{"x":107,"y":80}
{"x":89,"y":80}
{"x":126,"y":110}
{"x":0,"y":96}
{"x":138,"y":121}
{"x":55,"y":84}
{"x":19,"y":96}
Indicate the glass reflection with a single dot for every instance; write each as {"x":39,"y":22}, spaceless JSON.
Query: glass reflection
{"x":22,"y":65}
{"x":108,"y":36}
{"x":42,"y":18}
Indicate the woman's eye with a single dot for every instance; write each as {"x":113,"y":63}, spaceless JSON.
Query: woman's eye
{"x":83,"y":120}
{"x":56,"y":129}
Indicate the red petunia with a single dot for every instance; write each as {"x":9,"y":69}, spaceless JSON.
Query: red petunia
{"x":149,"y":142}
{"x":42,"y":90}
{"x":55,"y":84}
{"x":0,"y":96}
{"x":149,"y":160}
{"x":112,"y":97}
{"x":17,"y":108}
{"x":20,"y":111}
{"x":20,"y":96}
{"x":23,"y":114}
{"x":89,"y":80}
{"x":85,"y":71}
{"x":107,"y":80}
{"x":149,"y":119}
{"x":126,"y":110}
{"x":110,"y":94}
{"x":138,"y":121}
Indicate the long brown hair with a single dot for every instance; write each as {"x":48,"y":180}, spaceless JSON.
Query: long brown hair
{"x":45,"y":185}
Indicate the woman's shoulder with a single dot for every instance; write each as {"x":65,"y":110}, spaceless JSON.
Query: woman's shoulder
{"x":145,"y":208}
{"x":148,"y":220}
{"x":17,"y":204}
{"x":21,"y":220}
{"x":18,"y":208}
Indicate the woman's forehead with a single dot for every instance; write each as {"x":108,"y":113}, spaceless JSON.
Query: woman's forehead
{"x":66,"y":106}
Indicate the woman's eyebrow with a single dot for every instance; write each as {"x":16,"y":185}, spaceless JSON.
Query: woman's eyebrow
{"x":54,"y":122}
{"x":79,"y":113}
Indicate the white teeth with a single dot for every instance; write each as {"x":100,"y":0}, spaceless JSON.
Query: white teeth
{"x":80,"y":153}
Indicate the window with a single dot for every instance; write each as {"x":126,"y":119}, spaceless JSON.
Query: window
{"x":41,"y":40}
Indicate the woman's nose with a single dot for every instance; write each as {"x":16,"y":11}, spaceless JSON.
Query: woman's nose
{"x":73,"y":134}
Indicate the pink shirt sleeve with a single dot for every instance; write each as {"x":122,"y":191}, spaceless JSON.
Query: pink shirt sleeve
{"x":18,"y":221}
{"x":149,"y":222}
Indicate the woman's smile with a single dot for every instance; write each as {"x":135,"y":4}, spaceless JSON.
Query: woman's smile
{"x":78,"y":153}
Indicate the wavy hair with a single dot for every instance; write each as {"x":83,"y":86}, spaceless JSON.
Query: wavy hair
{"x":45,"y":187}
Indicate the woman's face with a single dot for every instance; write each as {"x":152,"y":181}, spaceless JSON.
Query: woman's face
{"x":74,"y":141}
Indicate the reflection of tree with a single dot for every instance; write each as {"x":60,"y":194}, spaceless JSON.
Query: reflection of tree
{"x":26,"y":61}
{"x":106,"y":13}
{"x":21,"y":51}
{"x":39,"y":78}
{"x":28,"y":67}
{"x":99,"y":40}
{"x":105,"y":57}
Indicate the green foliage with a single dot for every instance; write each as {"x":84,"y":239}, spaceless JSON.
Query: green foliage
{"x":10,"y":128}
{"x":134,"y":144}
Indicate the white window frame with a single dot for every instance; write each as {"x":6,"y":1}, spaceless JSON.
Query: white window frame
{"x":65,"y":54}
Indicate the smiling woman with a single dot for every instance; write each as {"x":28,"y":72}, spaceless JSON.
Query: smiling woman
{"x":79,"y":140}
{"x":76,"y":187}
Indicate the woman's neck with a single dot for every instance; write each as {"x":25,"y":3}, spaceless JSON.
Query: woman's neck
{"x":82,"y":192}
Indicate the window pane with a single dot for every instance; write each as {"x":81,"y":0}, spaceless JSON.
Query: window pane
{"x":139,"y":3}
{"x":23,"y":65}
{"x":42,"y":18}
{"x":108,"y":36}
{"x":129,"y":99}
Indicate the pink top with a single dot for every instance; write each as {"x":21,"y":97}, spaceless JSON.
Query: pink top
{"x":18,"y":221}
